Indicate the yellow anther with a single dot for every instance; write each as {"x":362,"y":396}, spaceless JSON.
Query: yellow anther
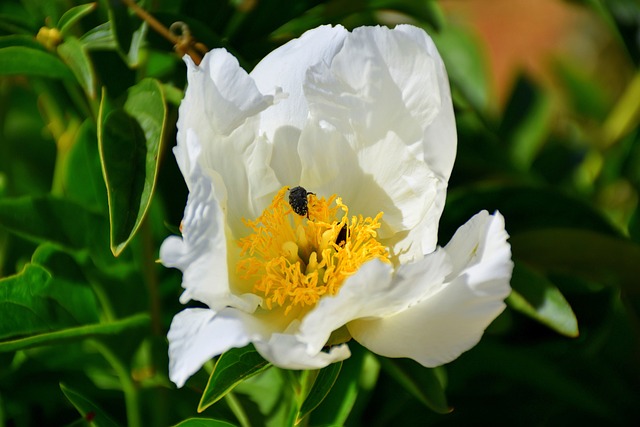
{"x":294,"y":261}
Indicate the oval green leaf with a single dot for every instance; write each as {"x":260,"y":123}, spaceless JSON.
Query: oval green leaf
{"x":357,"y":378}
{"x":77,"y":333}
{"x":422,"y":383}
{"x":73,"y":15}
{"x":130,"y":140}
{"x":61,"y":221}
{"x":92,"y":413}
{"x":74,"y":55}
{"x":31,"y":62}
{"x":232,"y":367}
{"x":533,"y":295}
{"x":321,"y":387}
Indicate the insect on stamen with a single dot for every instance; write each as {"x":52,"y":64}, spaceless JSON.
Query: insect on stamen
{"x":299,"y":201}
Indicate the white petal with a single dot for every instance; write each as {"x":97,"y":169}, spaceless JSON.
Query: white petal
{"x":441,"y":327}
{"x":371,"y":292}
{"x":286,"y":351}
{"x":197,"y":335}
{"x":220,"y":95}
{"x":285,"y":68}
{"x":201,"y":253}
{"x":380,"y":177}
{"x":242,"y":162}
{"x":370,"y":136}
{"x":217,"y":127}
{"x":439,"y":138}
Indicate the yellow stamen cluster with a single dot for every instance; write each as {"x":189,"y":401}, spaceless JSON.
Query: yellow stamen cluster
{"x":295,"y":260}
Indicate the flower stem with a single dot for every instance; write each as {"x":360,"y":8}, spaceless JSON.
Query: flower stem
{"x":128,"y":386}
{"x":151,"y":277}
{"x":183,"y":43}
{"x":237,"y":409}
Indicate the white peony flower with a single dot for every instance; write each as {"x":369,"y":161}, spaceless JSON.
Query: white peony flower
{"x":364,"y":122}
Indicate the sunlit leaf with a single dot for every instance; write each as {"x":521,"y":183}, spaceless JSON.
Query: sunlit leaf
{"x":232,"y":367}
{"x":74,"y":55}
{"x":535,"y":296}
{"x":73,"y":15}
{"x":31,"y":62}
{"x":321,"y":387}
{"x":130,"y":140}
{"x":422,"y":383}
{"x":99,"y":38}
{"x":137,"y":321}
{"x":92,"y":413}
{"x":203,"y":422}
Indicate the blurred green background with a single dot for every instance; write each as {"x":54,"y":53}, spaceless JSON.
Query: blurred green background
{"x":547,"y":99}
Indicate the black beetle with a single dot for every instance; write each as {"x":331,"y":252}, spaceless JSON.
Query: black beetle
{"x":298,"y":201}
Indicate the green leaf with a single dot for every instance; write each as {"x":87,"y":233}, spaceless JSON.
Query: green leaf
{"x":422,"y":383}
{"x":232,"y":367}
{"x":466,"y":65}
{"x":73,"y":53}
{"x":585,"y":94}
{"x":36,"y":301}
{"x":25,"y":306}
{"x":122,"y":24}
{"x":203,"y":422}
{"x":526,"y":122}
{"x":92,"y":413}
{"x":61,"y":221}
{"x":83,"y":182}
{"x":321,"y":387}
{"x":73,"y":15}
{"x":99,"y":38}
{"x":535,"y":296}
{"x":429,"y":12}
{"x":77,"y":333}
{"x":130,"y":141}
{"x":128,"y":31}
{"x":586,"y":254}
{"x":21,"y":40}
{"x":358,"y":374}
{"x":31,"y":62}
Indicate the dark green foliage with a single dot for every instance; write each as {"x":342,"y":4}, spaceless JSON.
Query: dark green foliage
{"x":87,"y":123}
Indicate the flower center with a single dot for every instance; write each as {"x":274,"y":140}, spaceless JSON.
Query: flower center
{"x":294,"y":260}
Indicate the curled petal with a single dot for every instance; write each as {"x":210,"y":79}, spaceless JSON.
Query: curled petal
{"x":372,"y":293}
{"x":197,"y":335}
{"x":201,"y":252}
{"x":220,"y":96}
{"x":286,"y":351}
{"x":441,"y":327}
{"x":440,"y":136}
{"x":286,"y":67}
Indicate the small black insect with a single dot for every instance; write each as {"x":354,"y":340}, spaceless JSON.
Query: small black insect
{"x":342,"y":236}
{"x":298,"y":201}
